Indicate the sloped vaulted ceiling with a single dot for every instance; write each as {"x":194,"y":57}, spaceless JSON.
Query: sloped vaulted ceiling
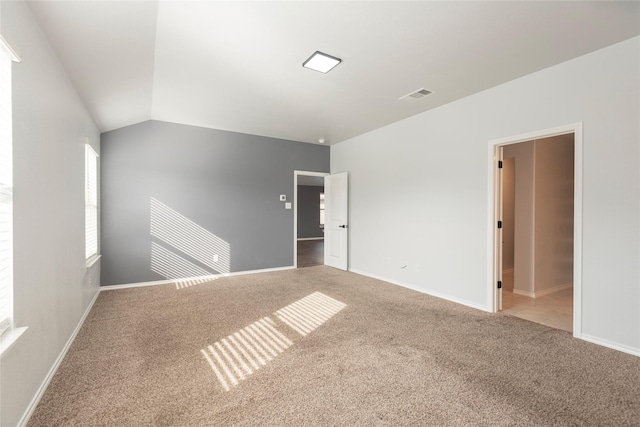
{"x":238,"y":65}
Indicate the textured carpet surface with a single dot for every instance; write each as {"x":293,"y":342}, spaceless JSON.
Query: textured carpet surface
{"x":318,"y":346}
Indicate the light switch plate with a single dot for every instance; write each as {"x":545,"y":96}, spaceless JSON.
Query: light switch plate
{"x":283,"y":197}
{"x":287,"y":205}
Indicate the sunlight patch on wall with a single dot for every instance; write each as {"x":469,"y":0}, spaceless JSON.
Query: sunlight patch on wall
{"x":172,"y":266}
{"x":185,"y":252}
{"x":189,"y":238}
{"x":305,"y":315}
{"x":236,"y":357}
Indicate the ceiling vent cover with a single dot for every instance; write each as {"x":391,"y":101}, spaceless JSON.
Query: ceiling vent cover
{"x":415,"y":95}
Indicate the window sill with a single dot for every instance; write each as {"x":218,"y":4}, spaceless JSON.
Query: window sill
{"x":9,"y":339}
{"x":92,"y":260}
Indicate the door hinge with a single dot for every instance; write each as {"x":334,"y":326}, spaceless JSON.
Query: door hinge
{"x":499,"y":284}
{"x":499,"y":164}
{"x":499,"y":224}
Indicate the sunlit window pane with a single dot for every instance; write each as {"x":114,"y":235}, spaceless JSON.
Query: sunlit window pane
{"x":91,"y":202}
{"x":6,"y":193}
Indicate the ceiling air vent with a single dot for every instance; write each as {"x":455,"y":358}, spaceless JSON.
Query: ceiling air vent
{"x":415,"y":95}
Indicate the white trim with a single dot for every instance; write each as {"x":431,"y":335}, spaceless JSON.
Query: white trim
{"x":187,"y":279}
{"x":422,"y":291}
{"x":576,"y":129}
{"x":14,"y":55}
{"x":611,"y":344}
{"x":552,"y":290}
{"x":543,"y":292}
{"x":92,"y":260}
{"x":310,"y":238}
{"x":43,"y":387}
{"x":295,"y":209}
{"x":88,"y":144}
{"x":524,"y":293}
{"x":9,"y":338}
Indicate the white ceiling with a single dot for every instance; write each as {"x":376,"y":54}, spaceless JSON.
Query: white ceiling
{"x":238,"y":65}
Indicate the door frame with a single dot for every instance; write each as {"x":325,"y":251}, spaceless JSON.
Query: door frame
{"x":297,"y":173}
{"x":493,"y":213}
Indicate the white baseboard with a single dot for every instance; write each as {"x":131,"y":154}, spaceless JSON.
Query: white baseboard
{"x":524,"y":293}
{"x":43,"y":387}
{"x":415,"y":288}
{"x":311,"y":238}
{"x":188,"y":279}
{"x":542,"y":292}
{"x":610,"y":344}
{"x":553,"y":290}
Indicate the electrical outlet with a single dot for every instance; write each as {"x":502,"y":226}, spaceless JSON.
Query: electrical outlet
{"x":215,"y":258}
{"x":283,"y":197}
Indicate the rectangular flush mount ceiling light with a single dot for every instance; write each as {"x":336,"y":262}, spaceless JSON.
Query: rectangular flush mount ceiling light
{"x":321,"y":62}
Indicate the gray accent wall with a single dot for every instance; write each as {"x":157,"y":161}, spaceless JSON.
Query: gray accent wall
{"x":184,"y":201}
{"x":309,"y":211}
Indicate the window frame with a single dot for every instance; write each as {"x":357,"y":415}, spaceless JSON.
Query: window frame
{"x":9,"y":334}
{"x":91,"y":217}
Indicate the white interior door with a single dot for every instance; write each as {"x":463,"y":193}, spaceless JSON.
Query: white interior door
{"x":498,"y":237}
{"x":336,"y":234}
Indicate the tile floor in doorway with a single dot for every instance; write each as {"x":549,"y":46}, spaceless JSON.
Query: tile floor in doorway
{"x":554,"y":310}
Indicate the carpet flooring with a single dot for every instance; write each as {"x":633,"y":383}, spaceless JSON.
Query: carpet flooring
{"x":322,"y":347}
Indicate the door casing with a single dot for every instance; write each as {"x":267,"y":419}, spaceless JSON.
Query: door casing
{"x":296,"y":174}
{"x":494,"y":213}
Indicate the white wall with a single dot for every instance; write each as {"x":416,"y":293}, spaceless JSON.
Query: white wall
{"x":52,"y":286}
{"x":553,"y":215}
{"x":408,"y":205}
{"x":543,"y":238}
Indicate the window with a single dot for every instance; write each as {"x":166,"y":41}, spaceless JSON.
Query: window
{"x":90,"y":202}
{"x":6,"y":189}
{"x":321,"y":210}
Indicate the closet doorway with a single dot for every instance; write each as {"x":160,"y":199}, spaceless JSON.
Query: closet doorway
{"x":536,"y":228}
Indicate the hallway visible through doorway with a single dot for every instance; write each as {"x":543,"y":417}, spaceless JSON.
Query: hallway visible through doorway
{"x":310,"y":253}
{"x":536,"y":204}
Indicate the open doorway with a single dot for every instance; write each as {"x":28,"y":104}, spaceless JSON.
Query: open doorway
{"x":308,"y":219}
{"x":537,"y":207}
{"x":537,"y":230}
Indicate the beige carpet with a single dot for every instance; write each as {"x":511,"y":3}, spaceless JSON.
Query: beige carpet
{"x":317,"y":346}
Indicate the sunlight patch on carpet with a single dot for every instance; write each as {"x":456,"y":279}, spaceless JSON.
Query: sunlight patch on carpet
{"x":186,"y":283}
{"x":305,"y":315}
{"x":234,"y":358}
{"x":237,"y":356}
